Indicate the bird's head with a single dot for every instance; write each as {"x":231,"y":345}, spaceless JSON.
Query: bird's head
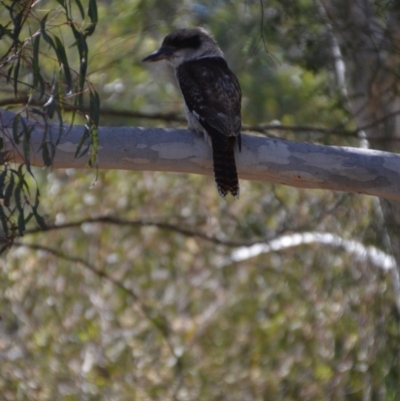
{"x":185,"y":45}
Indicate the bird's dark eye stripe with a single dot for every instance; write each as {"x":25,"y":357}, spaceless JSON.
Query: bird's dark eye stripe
{"x":192,"y":42}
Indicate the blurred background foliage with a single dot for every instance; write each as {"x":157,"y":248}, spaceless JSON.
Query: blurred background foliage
{"x":137,"y":296}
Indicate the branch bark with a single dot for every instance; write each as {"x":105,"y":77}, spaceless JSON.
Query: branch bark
{"x":296,"y":164}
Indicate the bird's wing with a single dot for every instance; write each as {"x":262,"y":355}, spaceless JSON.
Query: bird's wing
{"x":212,"y":93}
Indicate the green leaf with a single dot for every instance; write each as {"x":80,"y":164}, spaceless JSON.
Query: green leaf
{"x":83,"y":50}
{"x":46,"y":37}
{"x":37,"y":77}
{"x":9,"y":72}
{"x":39,"y":219}
{"x":95,"y":117}
{"x":47,"y":159}
{"x":3,"y":175}
{"x":81,"y":10}
{"x":82,"y":77}
{"x":85,"y":136}
{"x":62,"y":58}
{"x":37,"y":112}
{"x":9,"y":191}
{"x":17,"y":196}
{"x":35,"y":60}
{"x":90,"y":29}
{"x":42,"y":86}
{"x":15,"y":129}
{"x":27,"y":218}
{"x":5,"y":31}
{"x":17,"y":22}
{"x":3,"y":219}
{"x":77,"y":35}
{"x":25,"y":146}
{"x":95,"y":107}
{"x":15,"y":77}
{"x":49,"y":106}
{"x":36,"y":199}
{"x":92,"y":11}
{"x":21,"y":177}
{"x":95,"y":146}
{"x":21,"y":222}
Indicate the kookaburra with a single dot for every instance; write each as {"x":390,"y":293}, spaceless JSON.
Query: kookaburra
{"x":212,"y":97}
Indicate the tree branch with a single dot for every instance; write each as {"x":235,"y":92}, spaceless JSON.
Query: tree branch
{"x":296,"y":164}
{"x":143,"y":223}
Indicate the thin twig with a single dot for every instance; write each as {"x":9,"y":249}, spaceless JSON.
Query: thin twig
{"x":142,"y":223}
{"x":261,"y":128}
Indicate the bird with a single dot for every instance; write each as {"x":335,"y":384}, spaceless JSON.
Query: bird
{"x":212,"y":97}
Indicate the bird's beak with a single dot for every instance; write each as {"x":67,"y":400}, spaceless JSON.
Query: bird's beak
{"x":161,"y":54}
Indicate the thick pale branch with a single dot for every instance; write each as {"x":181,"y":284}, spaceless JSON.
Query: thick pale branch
{"x":297,"y":164}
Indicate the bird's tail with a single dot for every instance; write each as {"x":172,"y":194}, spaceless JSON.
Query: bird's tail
{"x":225,"y":172}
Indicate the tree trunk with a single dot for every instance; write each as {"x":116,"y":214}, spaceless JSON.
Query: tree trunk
{"x":369,"y":43}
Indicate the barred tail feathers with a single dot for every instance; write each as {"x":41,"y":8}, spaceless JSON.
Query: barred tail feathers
{"x":225,"y":173}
